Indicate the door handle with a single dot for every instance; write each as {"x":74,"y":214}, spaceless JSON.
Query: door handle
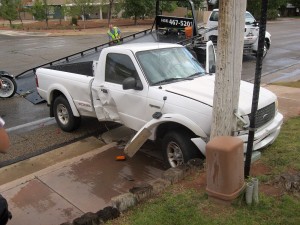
{"x":104,"y":90}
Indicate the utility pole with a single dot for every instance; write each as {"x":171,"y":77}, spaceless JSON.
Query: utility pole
{"x":229,"y":66}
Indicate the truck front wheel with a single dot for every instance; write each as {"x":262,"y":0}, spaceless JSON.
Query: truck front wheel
{"x":266,"y":49}
{"x":64,"y":115}
{"x":178,"y":148}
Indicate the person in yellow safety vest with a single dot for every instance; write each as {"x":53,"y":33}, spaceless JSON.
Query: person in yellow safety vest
{"x":114,"y":34}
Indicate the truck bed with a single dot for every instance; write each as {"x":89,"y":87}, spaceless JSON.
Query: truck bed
{"x":81,"y":68}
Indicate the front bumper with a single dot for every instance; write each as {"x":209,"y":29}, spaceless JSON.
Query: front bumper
{"x":266,"y":135}
{"x":262,"y":138}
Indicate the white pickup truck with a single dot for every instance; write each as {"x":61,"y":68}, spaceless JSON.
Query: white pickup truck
{"x":155,"y":87}
{"x":251,"y":33}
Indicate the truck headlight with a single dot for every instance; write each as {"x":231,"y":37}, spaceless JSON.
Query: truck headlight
{"x":242,"y":122}
{"x":240,"y":125}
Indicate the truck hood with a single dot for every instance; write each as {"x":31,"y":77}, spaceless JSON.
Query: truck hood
{"x":202,"y":89}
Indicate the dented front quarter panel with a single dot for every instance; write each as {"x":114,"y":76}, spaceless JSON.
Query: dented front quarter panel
{"x":148,"y":131}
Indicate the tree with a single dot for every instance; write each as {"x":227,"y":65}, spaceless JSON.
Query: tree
{"x":134,"y":8}
{"x":8,"y":10}
{"x":111,"y":2}
{"x":20,"y":8}
{"x":197,"y":3}
{"x":81,"y":7}
{"x":40,"y":10}
{"x":295,"y":3}
{"x":142,"y":7}
{"x":254,"y":7}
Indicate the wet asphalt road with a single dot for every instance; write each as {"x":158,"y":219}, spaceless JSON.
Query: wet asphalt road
{"x":284,"y":52}
{"x":19,"y":53}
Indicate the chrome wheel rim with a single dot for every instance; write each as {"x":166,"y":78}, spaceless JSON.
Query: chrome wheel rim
{"x":174,"y":154}
{"x":265,"y":51}
{"x":7,"y":87}
{"x":62,"y":114}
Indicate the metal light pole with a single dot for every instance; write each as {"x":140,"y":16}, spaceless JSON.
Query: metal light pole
{"x":259,"y":59}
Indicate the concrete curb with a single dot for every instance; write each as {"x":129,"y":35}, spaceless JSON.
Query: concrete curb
{"x":136,"y":194}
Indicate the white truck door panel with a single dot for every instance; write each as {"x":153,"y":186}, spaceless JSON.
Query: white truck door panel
{"x":125,"y":106}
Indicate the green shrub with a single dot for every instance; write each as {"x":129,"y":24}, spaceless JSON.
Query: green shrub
{"x":74,"y":21}
{"x":16,"y":26}
{"x":189,"y":15}
{"x":272,"y":14}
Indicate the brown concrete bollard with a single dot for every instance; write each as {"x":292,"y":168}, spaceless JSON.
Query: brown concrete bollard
{"x":225,"y":168}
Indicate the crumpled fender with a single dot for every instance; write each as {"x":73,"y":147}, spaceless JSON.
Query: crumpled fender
{"x":146,"y":131}
{"x":62,"y":89}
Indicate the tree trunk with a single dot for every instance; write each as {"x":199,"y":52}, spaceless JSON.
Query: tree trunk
{"x":20,"y":18}
{"x":46,"y":20}
{"x":135,"y":19}
{"x":229,"y":66}
{"x":109,"y":12}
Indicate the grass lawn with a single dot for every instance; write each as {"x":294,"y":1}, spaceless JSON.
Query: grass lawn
{"x":186,"y":203}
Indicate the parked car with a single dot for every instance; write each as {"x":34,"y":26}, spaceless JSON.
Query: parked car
{"x":250,"y":35}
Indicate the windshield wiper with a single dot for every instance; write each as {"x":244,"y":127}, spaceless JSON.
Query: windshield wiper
{"x":195,"y":74}
{"x":172,"y":79}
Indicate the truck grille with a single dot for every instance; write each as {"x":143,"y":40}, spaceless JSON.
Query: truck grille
{"x":247,"y":49}
{"x":264,"y":115}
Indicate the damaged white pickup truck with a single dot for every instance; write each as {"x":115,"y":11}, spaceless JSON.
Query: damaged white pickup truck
{"x":159,"y":90}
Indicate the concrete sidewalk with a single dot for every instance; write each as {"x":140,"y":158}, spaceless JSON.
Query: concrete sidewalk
{"x":61,"y":185}
{"x":288,"y":100}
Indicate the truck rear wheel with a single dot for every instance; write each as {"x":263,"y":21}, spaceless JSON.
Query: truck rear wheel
{"x":178,"y":148}
{"x":64,"y":115}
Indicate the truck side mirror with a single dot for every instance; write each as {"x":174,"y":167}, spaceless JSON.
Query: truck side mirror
{"x":132,"y":83}
{"x":212,"y":69}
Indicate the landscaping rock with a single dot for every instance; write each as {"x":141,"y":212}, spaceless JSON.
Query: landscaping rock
{"x":159,"y":185}
{"x":186,"y":169}
{"x":67,"y":223}
{"x":142,"y":191}
{"x":173,"y":175}
{"x":290,"y":182}
{"x":196,"y":164}
{"x":108,"y":213}
{"x":124,"y":201}
{"x":87,"y":219}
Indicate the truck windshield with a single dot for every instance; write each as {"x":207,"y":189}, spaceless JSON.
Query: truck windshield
{"x":249,"y":19}
{"x":169,"y":65}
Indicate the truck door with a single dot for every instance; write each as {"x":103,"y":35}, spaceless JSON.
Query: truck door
{"x":210,"y":65}
{"x":125,"y":106}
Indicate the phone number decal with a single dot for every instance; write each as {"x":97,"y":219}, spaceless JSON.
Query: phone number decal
{"x":174,"y":22}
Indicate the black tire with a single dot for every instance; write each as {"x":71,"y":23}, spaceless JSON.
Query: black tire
{"x":9,"y":87}
{"x":266,"y":49}
{"x":64,"y":115}
{"x":178,"y":148}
